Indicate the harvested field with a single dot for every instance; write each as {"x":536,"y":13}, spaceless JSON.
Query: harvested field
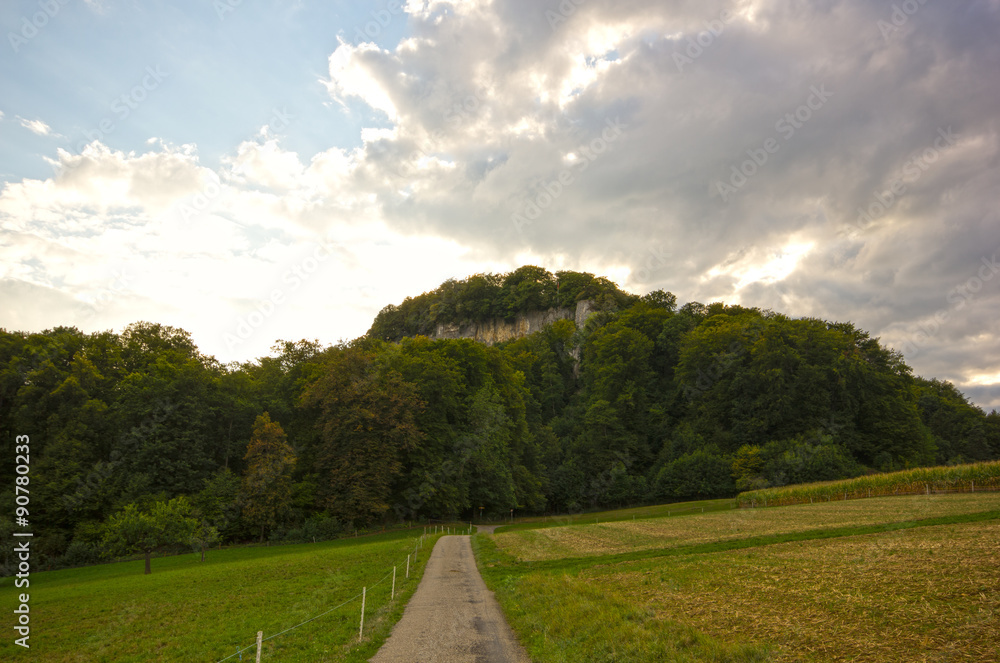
{"x":627,"y":536}
{"x":925,"y":594}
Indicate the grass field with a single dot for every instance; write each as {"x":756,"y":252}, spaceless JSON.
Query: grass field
{"x":627,"y":535}
{"x":194,"y":611}
{"x":883,"y":580}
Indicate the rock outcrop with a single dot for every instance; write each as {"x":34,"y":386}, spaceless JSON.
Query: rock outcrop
{"x":499,"y":330}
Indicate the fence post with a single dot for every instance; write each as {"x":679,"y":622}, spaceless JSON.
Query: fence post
{"x":407,"y":566}
{"x":260,"y":640}
{"x":361,"y":629}
{"x":392,"y":595}
{"x":973,"y":486}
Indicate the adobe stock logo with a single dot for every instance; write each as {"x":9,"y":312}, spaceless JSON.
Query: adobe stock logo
{"x":787,"y":125}
{"x":958,"y":298}
{"x":551,"y":190}
{"x":122,"y":106}
{"x":293,"y":279}
{"x":913,"y":170}
{"x":697,"y":44}
{"x":899,"y":17}
{"x":30,"y":27}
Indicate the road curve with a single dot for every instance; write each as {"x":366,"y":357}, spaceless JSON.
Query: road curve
{"x":452,"y":616}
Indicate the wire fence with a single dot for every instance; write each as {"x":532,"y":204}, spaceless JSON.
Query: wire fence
{"x":410,"y":558}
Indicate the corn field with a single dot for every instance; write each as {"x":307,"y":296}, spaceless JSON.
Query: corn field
{"x":957,"y":478}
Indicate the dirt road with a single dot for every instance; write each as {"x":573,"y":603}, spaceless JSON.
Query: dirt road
{"x":452,"y":616}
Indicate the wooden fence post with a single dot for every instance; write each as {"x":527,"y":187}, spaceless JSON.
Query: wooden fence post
{"x":361,"y":629}
{"x":260,"y":640}
{"x":392,"y":595}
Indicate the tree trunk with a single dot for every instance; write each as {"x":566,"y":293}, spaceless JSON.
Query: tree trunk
{"x":148,"y":569}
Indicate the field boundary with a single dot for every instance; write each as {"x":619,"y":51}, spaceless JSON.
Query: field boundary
{"x":516,"y":566}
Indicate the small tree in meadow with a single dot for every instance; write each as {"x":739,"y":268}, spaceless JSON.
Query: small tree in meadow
{"x":204,"y":536}
{"x":163,"y":525}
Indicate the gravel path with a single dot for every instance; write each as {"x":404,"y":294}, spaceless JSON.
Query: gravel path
{"x":452,"y":616}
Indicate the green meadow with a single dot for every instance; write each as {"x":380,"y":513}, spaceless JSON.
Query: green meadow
{"x":205,"y":611}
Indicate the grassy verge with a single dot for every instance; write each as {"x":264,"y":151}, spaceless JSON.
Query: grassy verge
{"x":188,"y":610}
{"x":896,"y":586}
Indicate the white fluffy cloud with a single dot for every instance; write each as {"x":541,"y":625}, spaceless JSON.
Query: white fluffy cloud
{"x":828,"y":159}
{"x":36,"y":127}
{"x":752,"y":136}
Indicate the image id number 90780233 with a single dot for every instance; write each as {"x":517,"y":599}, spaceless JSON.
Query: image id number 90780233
{"x":22,"y":549}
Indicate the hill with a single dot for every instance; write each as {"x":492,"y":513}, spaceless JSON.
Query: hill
{"x":642,"y":402}
{"x":491,"y":297}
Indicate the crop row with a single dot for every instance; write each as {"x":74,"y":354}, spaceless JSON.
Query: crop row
{"x":971,"y":477}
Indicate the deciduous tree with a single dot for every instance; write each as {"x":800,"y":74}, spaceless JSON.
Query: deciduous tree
{"x":266,"y":491}
{"x":136,"y":530}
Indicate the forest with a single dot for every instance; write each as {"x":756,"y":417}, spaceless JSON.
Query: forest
{"x":648,"y":402}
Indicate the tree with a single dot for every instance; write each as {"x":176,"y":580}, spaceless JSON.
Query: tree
{"x":267,"y":485}
{"x":748,"y":468}
{"x":218,"y":502}
{"x":366,"y":422}
{"x":134,"y":530}
{"x":700,"y":474}
{"x":492,"y":481}
{"x":204,"y":536}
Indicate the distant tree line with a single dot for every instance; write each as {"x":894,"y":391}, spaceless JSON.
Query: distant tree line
{"x":139,"y":442}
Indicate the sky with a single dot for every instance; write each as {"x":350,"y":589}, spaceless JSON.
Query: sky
{"x":255,"y":170}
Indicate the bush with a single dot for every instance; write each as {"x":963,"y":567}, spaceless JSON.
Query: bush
{"x":78,"y":553}
{"x":696,"y":475}
{"x":801,"y":461}
{"x":321,"y":527}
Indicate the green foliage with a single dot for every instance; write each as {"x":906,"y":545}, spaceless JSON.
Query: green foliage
{"x":486,"y":296}
{"x":367,"y":421}
{"x":265,"y":493}
{"x":218,"y":503}
{"x":700,"y":473}
{"x":646,"y":401}
{"x":748,"y":468}
{"x":133,"y":529}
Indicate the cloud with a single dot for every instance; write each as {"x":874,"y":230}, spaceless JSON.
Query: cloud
{"x":775,"y":153}
{"x":36,"y":127}
{"x":857,"y":187}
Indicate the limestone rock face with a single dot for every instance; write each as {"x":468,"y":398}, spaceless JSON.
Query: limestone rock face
{"x":500,"y":330}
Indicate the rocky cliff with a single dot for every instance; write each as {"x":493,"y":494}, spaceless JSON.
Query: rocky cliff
{"x":498,"y":330}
